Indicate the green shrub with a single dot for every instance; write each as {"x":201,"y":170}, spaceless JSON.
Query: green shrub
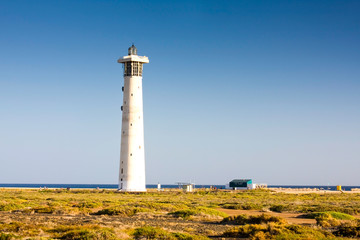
{"x":231,"y":206}
{"x":11,"y":227}
{"x":82,"y":232}
{"x":242,"y":206}
{"x":186,"y":236}
{"x":348,"y":231}
{"x":87,"y":205}
{"x":327,"y":208}
{"x":182,"y":236}
{"x":10,"y":206}
{"x":121,"y":211}
{"x":336,"y":215}
{"x":20,"y":228}
{"x":44,"y":210}
{"x":304,"y":232}
{"x":276,"y":231}
{"x":244,"y":219}
{"x":99,"y":234}
{"x":326,"y":220}
{"x":186,"y":214}
{"x":245,"y":231}
{"x":4,"y":236}
{"x":259,"y":236}
{"x":279,"y":208}
{"x":149,"y":232}
{"x":251,"y":206}
{"x":210,"y":211}
{"x":160,"y":206}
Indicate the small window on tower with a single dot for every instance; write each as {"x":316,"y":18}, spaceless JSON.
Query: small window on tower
{"x":130,"y":154}
{"x":131,"y":94}
{"x":136,"y":71}
{"x":140,"y":69}
{"x":127,"y":69}
{"x":122,"y":171}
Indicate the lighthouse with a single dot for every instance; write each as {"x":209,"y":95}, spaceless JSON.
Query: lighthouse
{"x":132,"y":154}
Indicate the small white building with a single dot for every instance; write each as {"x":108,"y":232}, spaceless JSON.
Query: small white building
{"x":186,"y":187}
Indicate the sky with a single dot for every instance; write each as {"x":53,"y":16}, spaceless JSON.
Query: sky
{"x":267,"y":90}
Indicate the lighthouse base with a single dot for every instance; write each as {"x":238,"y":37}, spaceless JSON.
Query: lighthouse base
{"x":132,"y":190}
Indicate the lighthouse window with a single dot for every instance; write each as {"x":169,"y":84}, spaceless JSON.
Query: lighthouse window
{"x":130,"y":154}
{"x":133,"y":69}
{"x":122,"y":170}
{"x":140,"y":69}
{"x":132,"y":95}
{"x":136,"y":71}
{"x":130,"y":124}
{"x":127,"y":69}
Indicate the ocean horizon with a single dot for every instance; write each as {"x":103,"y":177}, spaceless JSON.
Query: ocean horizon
{"x":151,"y":186}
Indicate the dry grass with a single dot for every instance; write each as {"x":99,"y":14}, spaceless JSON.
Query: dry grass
{"x":108,"y":214}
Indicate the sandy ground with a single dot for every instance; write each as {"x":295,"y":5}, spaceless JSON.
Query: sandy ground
{"x":309,"y":190}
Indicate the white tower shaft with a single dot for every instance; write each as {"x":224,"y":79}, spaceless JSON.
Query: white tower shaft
{"x":132,"y":155}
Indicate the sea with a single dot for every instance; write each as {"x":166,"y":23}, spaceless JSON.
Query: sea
{"x":115,"y":186}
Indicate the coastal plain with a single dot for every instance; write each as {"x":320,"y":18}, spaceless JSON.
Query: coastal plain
{"x":174,"y":214}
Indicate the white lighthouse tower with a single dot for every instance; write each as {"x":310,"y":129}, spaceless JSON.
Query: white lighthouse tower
{"x":132,"y":155}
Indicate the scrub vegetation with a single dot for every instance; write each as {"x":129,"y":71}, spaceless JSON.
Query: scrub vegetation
{"x":108,"y":214}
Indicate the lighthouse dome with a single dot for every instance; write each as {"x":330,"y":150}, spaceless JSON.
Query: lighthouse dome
{"x":132,"y":50}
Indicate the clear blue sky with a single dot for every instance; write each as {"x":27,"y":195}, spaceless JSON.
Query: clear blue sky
{"x":268,"y":90}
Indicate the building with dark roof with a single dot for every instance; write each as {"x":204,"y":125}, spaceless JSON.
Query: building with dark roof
{"x":240,"y":184}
